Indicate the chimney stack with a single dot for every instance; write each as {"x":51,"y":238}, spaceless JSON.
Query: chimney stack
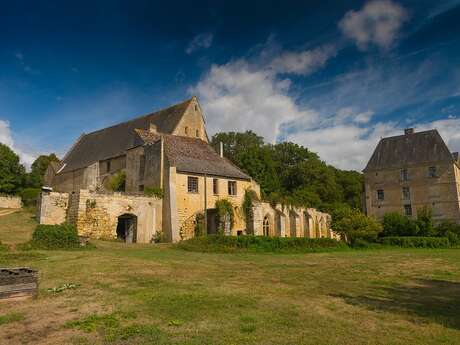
{"x":408,"y":131}
{"x":221,"y":149}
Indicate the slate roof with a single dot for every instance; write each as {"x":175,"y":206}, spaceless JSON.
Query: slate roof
{"x":409,"y":149}
{"x":193,"y":155}
{"x":115,"y":140}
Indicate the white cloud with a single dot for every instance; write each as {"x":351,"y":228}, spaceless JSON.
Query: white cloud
{"x":304,"y":62}
{"x":378,"y":22}
{"x":237,"y":97}
{"x":201,"y":41}
{"x":7,"y":139}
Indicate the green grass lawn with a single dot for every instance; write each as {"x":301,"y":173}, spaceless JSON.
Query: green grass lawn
{"x":156,"y":294}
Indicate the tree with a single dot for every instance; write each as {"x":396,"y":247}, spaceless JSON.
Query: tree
{"x":354,"y":225}
{"x":289,"y":173}
{"x":11,"y":171}
{"x":395,"y":224}
{"x":38,"y":170}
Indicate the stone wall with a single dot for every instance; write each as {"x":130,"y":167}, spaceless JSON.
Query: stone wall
{"x":96,"y":215}
{"x":287,"y":221}
{"x":192,"y":123}
{"x":10,"y":201}
{"x":440,"y":193}
{"x":53,"y":208}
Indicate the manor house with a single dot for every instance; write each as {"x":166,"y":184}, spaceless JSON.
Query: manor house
{"x":412,"y":171}
{"x":165,"y":153}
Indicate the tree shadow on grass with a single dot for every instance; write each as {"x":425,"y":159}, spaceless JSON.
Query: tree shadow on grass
{"x":435,"y":300}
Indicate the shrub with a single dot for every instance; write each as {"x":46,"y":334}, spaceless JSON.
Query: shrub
{"x":199,"y":225}
{"x":416,"y":242}
{"x":395,"y":224}
{"x":117,"y":182}
{"x":154,"y":192}
{"x":30,"y":196}
{"x":446,"y":227}
{"x":354,"y":225}
{"x":225,"y":214}
{"x":213,"y":243}
{"x":55,"y":237}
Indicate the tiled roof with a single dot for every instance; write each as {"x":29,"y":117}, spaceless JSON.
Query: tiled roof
{"x":409,"y":149}
{"x":193,"y":155}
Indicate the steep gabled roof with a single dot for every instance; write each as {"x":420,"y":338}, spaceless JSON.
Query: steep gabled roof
{"x":409,"y":149}
{"x":193,"y":155}
{"x":115,"y":140}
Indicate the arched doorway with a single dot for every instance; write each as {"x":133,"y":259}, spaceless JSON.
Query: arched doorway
{"x":307,"y":221}
{"x":293,"y":224}
{"x":266,"y":225}
{"x":127,"y":228}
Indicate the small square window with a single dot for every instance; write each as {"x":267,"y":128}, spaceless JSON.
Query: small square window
{"x":408,"y":210}
{"x":141,"y":188}
{"x":404,"y":175}
{"x":231,"y":187}
{"x":380,"y":194}
{"x":192,"y":184}
{"x":432,"y":172}
{"x":406,"y":193}
{"x":215,"y":186}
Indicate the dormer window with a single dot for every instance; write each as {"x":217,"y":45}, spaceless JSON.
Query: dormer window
{"x":432,"y":172}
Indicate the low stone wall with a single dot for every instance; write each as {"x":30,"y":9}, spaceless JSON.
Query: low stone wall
{"x":53,"y":208}
{"x":96,"y":215}
{"x":285,"y":221}
{"x":10,"y":201}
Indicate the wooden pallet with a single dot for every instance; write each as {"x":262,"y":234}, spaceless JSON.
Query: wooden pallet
{"x":18,"y":283}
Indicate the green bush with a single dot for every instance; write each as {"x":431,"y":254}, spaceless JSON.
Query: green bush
{"x":30,"y":196}
{"x":215,"y":243}
{"x":55,"y":237}
{"x":448,"y":226}
{"x":416,"y":242}
{"x":117,"y":182}
{"x":353,"y":225}
{"x":154,"y":192}
{"x":395,"y":224}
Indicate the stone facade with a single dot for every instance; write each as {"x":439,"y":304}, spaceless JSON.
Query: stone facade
{"x":10,"y":201}
{"x":178,"y":161}
{"x":97,"y":215}
{"x":407,"y":184}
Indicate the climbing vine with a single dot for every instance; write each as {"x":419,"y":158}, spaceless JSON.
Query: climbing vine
{"x":225,"y":214}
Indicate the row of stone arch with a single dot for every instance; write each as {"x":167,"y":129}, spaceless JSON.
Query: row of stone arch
{"x":303,"y":225}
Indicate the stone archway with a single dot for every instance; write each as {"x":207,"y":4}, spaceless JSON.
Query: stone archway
{"x":307,"y":224}
{"x":293,"y":219}
{"x":127,"y":228}
{"x":266,"y":226}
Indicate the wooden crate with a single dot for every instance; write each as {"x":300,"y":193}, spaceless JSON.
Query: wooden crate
{"x":18,"y":283}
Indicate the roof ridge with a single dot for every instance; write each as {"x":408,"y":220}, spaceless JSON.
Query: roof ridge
{"x":138,"y":117}
{"x":415,"y":133}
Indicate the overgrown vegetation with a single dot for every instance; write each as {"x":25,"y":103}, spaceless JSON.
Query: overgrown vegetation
{"x":417,"y":242}
{"x":291,"y":174}
{"x":354,"y":225}
{"x":156,"y":192}
{"x":248,"y":202}
{"x":225,"y":215}
{"x":117,"y":182}
{"x":199,"y":224}
{"x":62,"y":236}
{"x":213,"y":243}
{"x":12,"y":317}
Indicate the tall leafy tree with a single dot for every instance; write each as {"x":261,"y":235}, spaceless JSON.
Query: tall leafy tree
{"x":12,"y":173}
{"x":290,"y":173}
{"x":38,"y":169}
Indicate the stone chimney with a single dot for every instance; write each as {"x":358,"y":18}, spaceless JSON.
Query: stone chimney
{"x":152,"y":128}
{"x":408,"y":131}
{"x":221,"y":149}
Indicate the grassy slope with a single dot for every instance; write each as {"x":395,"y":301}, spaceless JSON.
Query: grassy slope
{"x":135,"y":294}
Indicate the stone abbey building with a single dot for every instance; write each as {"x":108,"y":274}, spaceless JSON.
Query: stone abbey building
{"x":411,"y":171}
{"x":169,"y":151}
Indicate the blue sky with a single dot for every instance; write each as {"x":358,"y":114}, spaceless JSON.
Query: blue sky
{"x":334,"y":76}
